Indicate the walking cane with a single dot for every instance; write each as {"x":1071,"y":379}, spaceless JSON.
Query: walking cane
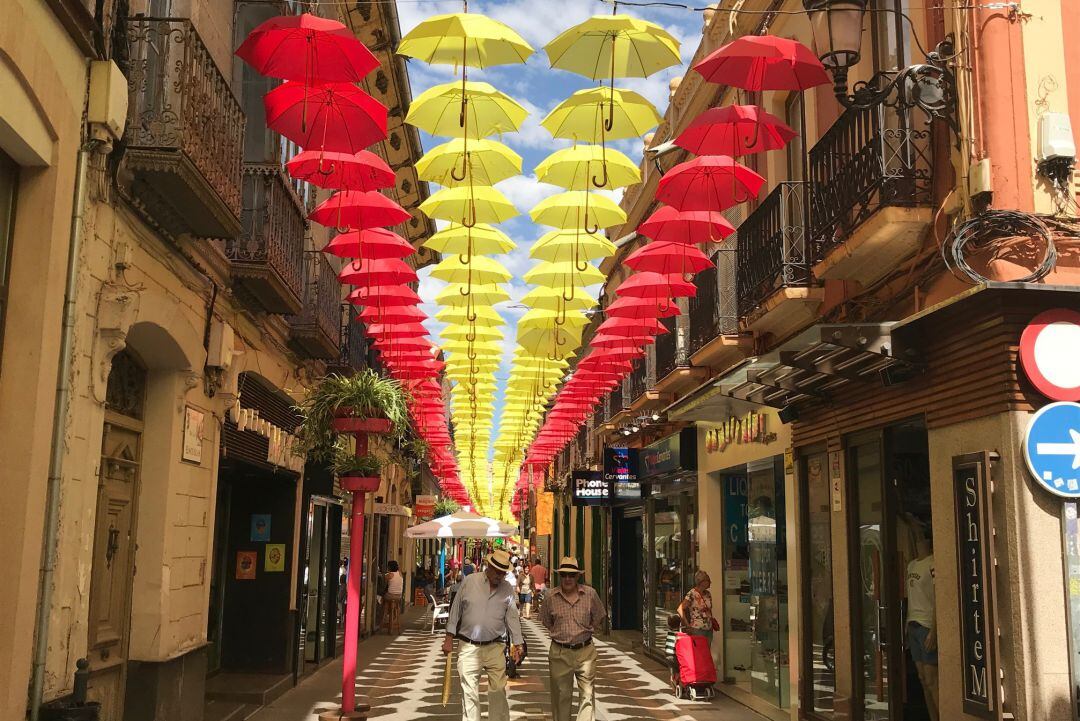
{"x":446,"y":677}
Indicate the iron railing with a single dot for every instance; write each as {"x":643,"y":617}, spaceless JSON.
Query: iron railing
{"x":353,"y":347}
{"x":868,"y":159}
{"x":772,"y":249}
{"x":272,"y":238}
{"x":178,"y":99}
{"x":636,"y":383}
{"x":320,"y":316}
{"x":704,"y":314}
{"x":612,"y":405}
{"x":666,"y":349}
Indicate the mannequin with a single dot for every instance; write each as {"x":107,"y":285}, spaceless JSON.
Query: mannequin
{"x":921,"y":627}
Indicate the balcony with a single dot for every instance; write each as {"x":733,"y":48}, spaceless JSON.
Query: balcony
{"x":268,"y":256}
{"x":773,"y":283}
{"x":352,"y":348}
{"x":713,"y":339}
{"x":316,"y":330}
{"x":183,"y":142}
{"x":871,"y":174}
{"x":636,"y":384}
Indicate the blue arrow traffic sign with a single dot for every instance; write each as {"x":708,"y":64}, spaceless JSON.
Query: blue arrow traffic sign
{"x":1052,"y":448}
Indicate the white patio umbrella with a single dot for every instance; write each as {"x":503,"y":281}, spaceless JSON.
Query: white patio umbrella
{"x":462,"y":524}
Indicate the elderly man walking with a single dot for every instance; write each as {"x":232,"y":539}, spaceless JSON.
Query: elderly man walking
{"x":483,"y":612}
{"x":572,"y":613}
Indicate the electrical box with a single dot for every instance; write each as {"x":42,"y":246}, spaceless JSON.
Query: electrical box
{"x":980,"y":179}
{"x":108,"y":102}
{"x":1056,"y":137}
{"x":221,"y":347}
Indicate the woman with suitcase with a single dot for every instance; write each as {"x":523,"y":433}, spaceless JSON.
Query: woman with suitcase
{"x":693,"y":649}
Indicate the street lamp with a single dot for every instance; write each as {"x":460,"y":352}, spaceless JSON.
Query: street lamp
{"x":930,"y":86}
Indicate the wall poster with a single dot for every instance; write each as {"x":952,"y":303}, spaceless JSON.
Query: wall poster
{"x":246,"y":562}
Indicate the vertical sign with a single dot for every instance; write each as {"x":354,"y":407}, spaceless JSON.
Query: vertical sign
{"x":836,"y":482}
{"x":975,"y":576}
{"x":621,"y":471}
{"x":545,"y":509}
{"x":1070,"y":527}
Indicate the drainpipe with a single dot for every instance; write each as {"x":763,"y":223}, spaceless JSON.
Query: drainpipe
{"x":56,"y":459}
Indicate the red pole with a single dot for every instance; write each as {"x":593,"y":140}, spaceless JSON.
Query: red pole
{"x":352,"y":605}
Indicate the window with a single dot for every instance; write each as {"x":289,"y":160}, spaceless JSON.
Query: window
{"x":819,"y":643}
{"x":891,"y":34}
{"x":9,"y":183}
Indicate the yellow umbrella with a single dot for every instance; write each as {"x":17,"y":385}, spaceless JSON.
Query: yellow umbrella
{"x":582,"y":167}
{"x":538,"y":317}
{"x":479,"y":294}
{"x":581,"y":117}
{"x":464,"y":39}
{"x":571,"y":245}
{"x":614,"y":46}
{"x":469,"y":205}
{"x":577,"y":209}
{"x":563,"y":275}
{"x":481,"y":239}
{"x":483,"y":316}
{"x":463,"y":162}
{"x":479,"y":269}
{"x":438,"y":111}
{"x":476,"y":332}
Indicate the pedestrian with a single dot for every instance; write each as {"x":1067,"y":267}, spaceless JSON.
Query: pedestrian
{"x":485,"y":611}
{"x":468,"y":568}
{"x":524,"y":590}
{"x":696,"y":609}
{"x":395,"y":587}
{"x":572,"y":614}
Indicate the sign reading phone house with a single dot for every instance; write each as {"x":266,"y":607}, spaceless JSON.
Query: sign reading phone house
{"x":589,"y":488}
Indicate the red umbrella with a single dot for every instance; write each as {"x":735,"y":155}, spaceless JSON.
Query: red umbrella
{"x":603,"y":340}
{"x":735,"y":130}
{"x":763,"y":62}
{"x":685,"y":226}
{"x":392,"y":314}
{"x":631,"y":307}
{"x":369,"y":243}
{"x":362,"y":170}
{"x":668,"y":258}
{"x":331,"y":117}
{"x":383,"y":271}
{"x":307,"y":48}
{"x":358,"y":209}
{"x":631,"y":327}
{"x":621,"y":354}
{"x":403,"y":344}
{"x":384,"y":295}
{"x":711,"y":182}
{"x":655,"y":285}
{"x":399,"y":330}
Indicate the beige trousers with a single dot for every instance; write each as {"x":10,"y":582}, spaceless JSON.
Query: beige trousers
{"x":474,"y":661}
{"x":566,"y":665}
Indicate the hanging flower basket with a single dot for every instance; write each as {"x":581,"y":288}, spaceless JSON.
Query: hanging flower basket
{"x":356,"y":484}
{"x":347,"y":423}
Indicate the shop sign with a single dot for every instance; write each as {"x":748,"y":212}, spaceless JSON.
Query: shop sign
{"x":975,"y":576}
{"x":621,"y":471}
{"x":674,"y":453}
{"x":424,"y":507}
{"x":391,"y":509}
{"x":545,"y":512}
{"x":1048,"y":353}
{"x":588,"y":488}
{"x":1052,"y":448}
{"x":735,"y":498}
{"x":739,"y":430}
{"x":836,"y":482}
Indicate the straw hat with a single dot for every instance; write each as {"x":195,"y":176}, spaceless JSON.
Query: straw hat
{"x":568,"y":564}
{"x":499,"y":560}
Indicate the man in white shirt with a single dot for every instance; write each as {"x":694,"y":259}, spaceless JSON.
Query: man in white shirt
{"x":485,"y":610}
{"x":921,"y":628}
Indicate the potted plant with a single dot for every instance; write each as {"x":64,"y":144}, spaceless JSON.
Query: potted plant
{"x":347,"y":465}
{"x":362,"y":403}
{"x":446,"y":507}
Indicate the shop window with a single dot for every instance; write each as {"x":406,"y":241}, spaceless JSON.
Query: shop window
{"x":9,"y":181}
{"x":820,"y":647}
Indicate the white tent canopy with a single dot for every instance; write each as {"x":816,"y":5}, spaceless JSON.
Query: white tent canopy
{"x":462,"y":524}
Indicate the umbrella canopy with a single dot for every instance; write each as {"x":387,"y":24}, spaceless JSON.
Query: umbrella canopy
{"x":381,"y":271}
{"x":668,"y":258}
{"x":480,"y":239}
{"x":668,"y":224}
{"x":483,"y":316}
{"x":362,"y":170}
{"x":464,"y":162}
{"x":735,"y":130}
{"x":763,"y":62}
{"x":563,"y":275}
{"x":462,"y":524}
{"x":582,"y":116}
{"x":338,"y":117}
{"x":479,"y":269}
{"x":571,"y":245}
{"x":657,"y":286}
{"x":552,"y":299}
{"x":614,"y":46}
{"x":630,"y":307}
{"x":385,"y":295}
{"x":307,"y":48}
{"x":369,"y":243}
{"x":578,"y":209}
{"x":469,"y":205}
{"x":360,"y":210}
{"x":711,"y":182}
{"x":575,"y":168}
{"x":438,"y":111}
{"x":461,"y":39}
{"x":477,"y":294}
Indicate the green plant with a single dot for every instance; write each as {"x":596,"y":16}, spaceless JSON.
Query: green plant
{"x":364,"y":395}
{"x":446,"y":507}
{"x":346,"y":464}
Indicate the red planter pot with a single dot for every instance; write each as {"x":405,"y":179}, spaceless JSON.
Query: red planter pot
{"x":348,"y":424}
{"x":359,"y":483}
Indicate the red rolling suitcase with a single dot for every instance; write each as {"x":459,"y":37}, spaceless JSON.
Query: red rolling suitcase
{"x":697,"y":672}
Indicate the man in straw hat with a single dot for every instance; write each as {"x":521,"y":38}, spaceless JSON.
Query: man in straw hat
{"x":484,"y":610}
{"x":572,"y":613}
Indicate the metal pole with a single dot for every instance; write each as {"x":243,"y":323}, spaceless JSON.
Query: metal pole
{"x":352,"y":606}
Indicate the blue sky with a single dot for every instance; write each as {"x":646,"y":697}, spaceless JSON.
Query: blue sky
{"x":539,"y":88}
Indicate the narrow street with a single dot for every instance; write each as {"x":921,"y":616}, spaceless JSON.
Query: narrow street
{"x":402,"y":680}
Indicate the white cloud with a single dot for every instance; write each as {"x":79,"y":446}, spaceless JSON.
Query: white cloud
{"x":525,"y":191}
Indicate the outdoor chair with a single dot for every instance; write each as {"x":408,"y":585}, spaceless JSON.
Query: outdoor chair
{"x":440,"y":612}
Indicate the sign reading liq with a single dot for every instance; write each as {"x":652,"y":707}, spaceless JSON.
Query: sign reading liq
{"x":1049,"y":348}
{"x":1052,"y":448}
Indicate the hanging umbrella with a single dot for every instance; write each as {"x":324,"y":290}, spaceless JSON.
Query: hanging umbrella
{"x":307,"y":48}
{"x":552,"y":299}
{"x":336,"y":117}
{"x":735,"y":130}
{"x":668,"y":224}
{"x":383,"y":295}
{"x":710,"y":182}
{"x":655,"y":285}
{"x":478,"y":294}
{"x":630,"y":307}
{"x":457,"y":332}
{"x":369,"y":243}
{"x":480,"y":270}
{"x":360,"y":210}
{"x":576,"y":167}
{"x":464,"y":162}
{"x":571,"y":245}
{"x":583,"y":116}
{"x":464,"y":39}
{"x":362,"y":170}
{"x":469,"y":205}
{"x":563,"y":275}
{"x":482,"y":316}
{"x":763,"y":62}
{"x":392,"y":314}
{"x":437,"y":111}
{"x":578,"y":209}
{"x":607,"y":340}
{"x":632,"y":327}
{"x":614,"y":46}
{"x":399,"y":330}
{"x":381,"y":271}
{"x":480,"y":239}
{"x":668,"y":258}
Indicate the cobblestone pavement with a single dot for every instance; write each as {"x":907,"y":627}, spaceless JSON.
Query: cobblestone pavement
{"x":403,"y":682}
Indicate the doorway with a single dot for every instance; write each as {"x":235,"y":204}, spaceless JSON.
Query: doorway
{"x":319,"y":583}
{"x":626,"y":569}
{"x":889,"y":478}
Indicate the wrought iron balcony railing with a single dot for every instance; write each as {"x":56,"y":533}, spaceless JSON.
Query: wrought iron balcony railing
{"x":636,"y":383}
{"x":666,"y":349}
{"x":353,"y":353}
{"x":772,"y":248}
{"x":183,"y":142}
{"x":868,"y":159}
{"x":268,"y":256}
{"x":704,"y":310}
{"x":316,"y":329}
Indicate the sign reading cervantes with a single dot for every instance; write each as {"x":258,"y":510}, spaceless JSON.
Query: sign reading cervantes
{"x":975,"y":576}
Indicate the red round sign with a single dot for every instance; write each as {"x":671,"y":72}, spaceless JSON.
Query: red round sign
{"x":1050,"y":353}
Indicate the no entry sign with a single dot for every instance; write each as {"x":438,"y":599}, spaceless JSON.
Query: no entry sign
{"x":1050,"y":354}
